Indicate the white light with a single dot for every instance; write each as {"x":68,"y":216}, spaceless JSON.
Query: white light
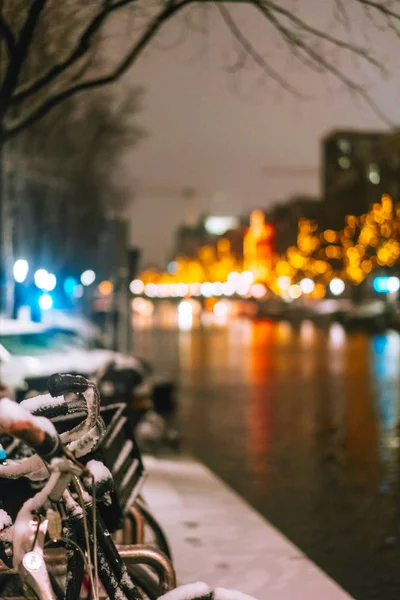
{"x":242,"y":288}
{"x":185,"y":308}
{"x":162,"y":290}
{"x":51,"y":282}
{"x":78,"y":291}
{"x":218,"y":288}
{"x":136,"y":286}
{"x":182,"y":289}
{"x":284,"y":282}
{"x":247,"y":277}
{"x":150,"y":290}
{"x":373,"y":174}
{"x":88,"y":277}
{"x":195,"y":289}
{"x":294,"y":291}
{"x":207,"y":289}
{"x":220,"y":309}
{"x":393,"y":284}
{"x":233,"y":277}
{"x":337,"y":286}
{"x":142,"y":307}
{"x":21,"y":269}
{"x":45,"y":301}
{"x":228,"y":288}
{"x":220,"y":225}
{"x":307,"y":285}
{"x":344,"y":162}
{"x":40,"y":278}
{"x":374,"y":177}
{"x":258,"y":290}
{"x":32,"y":561}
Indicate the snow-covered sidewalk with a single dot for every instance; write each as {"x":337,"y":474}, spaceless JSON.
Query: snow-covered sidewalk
{"x":218,"y":538}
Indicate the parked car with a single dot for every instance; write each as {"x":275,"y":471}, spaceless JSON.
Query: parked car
{"x":30,"y":352}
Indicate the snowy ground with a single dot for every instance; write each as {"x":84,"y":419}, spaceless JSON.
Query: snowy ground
{"x":218,"y":538}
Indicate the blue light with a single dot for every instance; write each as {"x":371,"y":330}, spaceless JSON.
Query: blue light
{"x":172,"y":267}
{"x":70,"y":284}
{"x":381,"y":285}
{"x":45,"y":301}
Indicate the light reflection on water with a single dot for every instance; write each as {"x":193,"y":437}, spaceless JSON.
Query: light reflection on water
{"x":304,"y":423}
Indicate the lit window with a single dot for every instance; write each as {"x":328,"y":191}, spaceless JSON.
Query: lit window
{"x":344,"y":162}
{"x":344,"y":146}
{"x":373,"y":174}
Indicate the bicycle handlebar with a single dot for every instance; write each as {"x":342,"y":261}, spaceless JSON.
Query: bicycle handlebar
{"x":63,"y":383}
{"x":37,"y":432}
{"x":46,"y":405}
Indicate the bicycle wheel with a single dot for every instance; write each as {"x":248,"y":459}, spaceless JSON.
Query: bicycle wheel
{"x":158,"y":533}
{"x":144,"y":579}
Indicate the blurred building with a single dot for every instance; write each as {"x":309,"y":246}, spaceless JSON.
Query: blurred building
{"x":284,"y":219}
{"x":357,"y":168}
{"x":258,"y":246}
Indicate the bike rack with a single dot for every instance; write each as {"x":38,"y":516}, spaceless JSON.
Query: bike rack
{"x":138,"y":554}
{"x":143,"y":554}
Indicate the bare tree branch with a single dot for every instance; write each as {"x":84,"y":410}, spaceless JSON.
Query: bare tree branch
{"x":251,"y":51}
{"x":342,"y":14}
{"x":7,"y":35}
{"x":78,"y":52}
{"x":303,"y":26}
{"x":381,"y":7}
{"x":318,"y":58}
{"x":56,"y":99}
{"x":20,"y":53}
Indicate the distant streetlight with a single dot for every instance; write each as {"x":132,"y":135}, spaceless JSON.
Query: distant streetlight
{"x":45,"y":301}
{"x":88,"y":277}
{"x":307,"y":285}
{"x":136,"y":286}
{"x":294,"y":291}
{"x":51,"y":282}
{"x":40,"y":277}
{"x":21,"y":268}
{"x":337,"y":286}
{"x":284,"y":282}
{"x":393,"y":284}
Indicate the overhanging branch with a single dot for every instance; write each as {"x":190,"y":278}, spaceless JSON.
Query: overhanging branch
{"x":7,"y":35}
{"x":78,"y":52}
{"x":252,"y":52}
{"x":124,"y":65}
{"x":295,"y":41}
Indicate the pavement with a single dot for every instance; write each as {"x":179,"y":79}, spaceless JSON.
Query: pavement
{"x":216,"y":537}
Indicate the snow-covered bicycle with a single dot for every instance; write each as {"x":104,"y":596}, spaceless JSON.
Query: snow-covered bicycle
{"x":57,"y":541}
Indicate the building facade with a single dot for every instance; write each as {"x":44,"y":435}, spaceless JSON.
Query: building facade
{"x":357,"y":168}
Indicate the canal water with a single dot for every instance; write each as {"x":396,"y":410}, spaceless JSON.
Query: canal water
{"x":304,"y":423}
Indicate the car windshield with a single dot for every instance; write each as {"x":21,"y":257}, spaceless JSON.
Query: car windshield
{"x":41,"y":342}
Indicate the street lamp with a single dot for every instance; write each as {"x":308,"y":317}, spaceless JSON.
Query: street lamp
{"x":88,"y":277}
{"x":45,"y":301}
{"x":41,"y":278}
{"x":21,"y":268}
{"x":307,"y":285}
{"x":51,"y":282}
{"x":337,"y":286}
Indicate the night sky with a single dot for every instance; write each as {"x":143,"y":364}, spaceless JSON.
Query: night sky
{"x":216,"y":132}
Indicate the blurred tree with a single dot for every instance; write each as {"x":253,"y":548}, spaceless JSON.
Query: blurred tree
{"x":31,"y":87}
{"x":78,"y":147}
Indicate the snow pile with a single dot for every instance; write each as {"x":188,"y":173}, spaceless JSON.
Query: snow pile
{"x":11,"y":413}
{"x":225,"y":594}
{"x":43,"y":404}
{"x":189,"y":591}
{"x":5,"y":519}
{"x":99,"y":471}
